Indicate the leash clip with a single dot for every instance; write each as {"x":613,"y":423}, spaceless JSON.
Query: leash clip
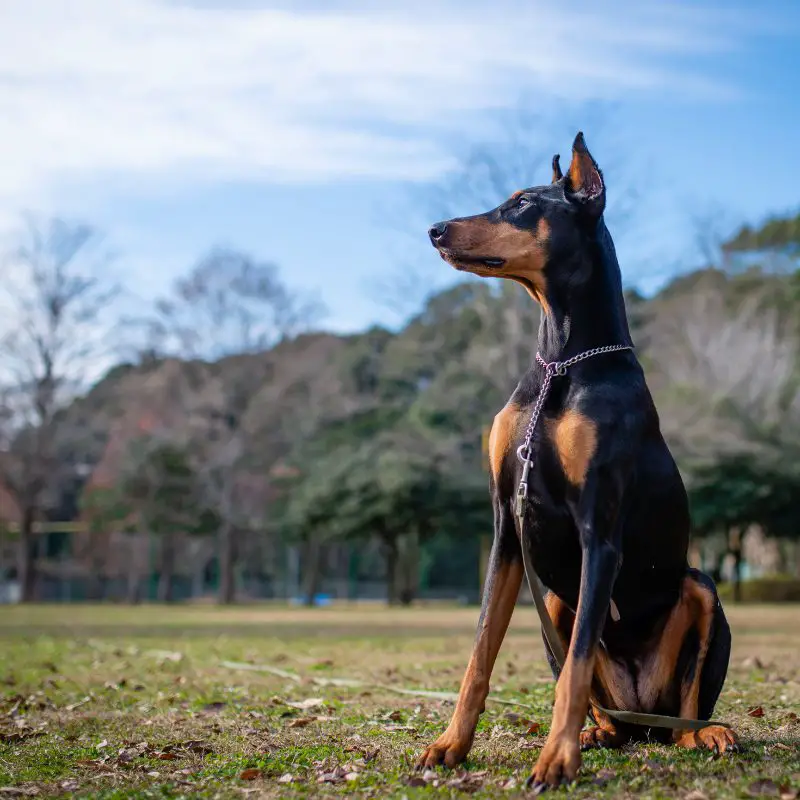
{"x":522,"y":496}
{"x":559,"y":368}
{"x":522,"y":490}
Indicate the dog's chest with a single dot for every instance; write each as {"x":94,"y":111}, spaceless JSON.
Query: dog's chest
{"x":562,"y":444}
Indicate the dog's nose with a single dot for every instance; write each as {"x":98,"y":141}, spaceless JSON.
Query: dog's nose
{"x":437,"y":232}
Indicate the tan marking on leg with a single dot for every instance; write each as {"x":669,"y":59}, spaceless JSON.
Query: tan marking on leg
{"x":615,"y":682}
{"x":501,"y":436}
{"x":694,"y":609}
{"x":453,"y":745}
{"x":714,"y":737}
{"x":612,"y":682}
{"x":574,"y":437}
{"x":605,"y":734}
{"x":561,"y":757}
{"x":658,"y":669}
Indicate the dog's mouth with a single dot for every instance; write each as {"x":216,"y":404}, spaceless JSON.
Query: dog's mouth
{"x":462,"y":261}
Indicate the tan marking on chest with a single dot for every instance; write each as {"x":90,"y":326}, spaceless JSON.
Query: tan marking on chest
{"x":502,"y":435}
{"x":575,"y":439}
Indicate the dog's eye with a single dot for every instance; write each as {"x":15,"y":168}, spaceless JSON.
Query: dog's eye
{"x":523,"y":201}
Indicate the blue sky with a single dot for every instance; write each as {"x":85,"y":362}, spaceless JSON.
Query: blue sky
{"x":310,"y":133}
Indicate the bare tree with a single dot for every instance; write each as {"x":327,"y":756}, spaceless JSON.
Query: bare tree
{"x":229,"y":306}
{"x":724,"y":369}
{"x":56,"y":297}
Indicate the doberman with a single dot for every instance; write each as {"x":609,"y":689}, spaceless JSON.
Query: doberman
{"x":606,"y":522}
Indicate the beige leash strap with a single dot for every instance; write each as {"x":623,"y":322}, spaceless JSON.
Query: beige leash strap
{"x":554,"y":642}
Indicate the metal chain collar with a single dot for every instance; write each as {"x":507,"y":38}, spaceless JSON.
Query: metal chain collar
{"x":551,"y":370}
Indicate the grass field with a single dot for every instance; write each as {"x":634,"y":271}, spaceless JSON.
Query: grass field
{"x":275,"y":702}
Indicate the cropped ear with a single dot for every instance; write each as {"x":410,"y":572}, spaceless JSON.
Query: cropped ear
{"x":585,"y":185}
{"x":557,"y":173}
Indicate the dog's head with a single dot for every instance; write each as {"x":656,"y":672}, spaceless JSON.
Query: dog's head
{"x":535,"y":236}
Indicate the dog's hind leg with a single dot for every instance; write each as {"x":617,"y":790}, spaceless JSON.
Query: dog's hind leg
{"x":684,"y":673}
{"x":701,"y":678}
{"x":503,"y":579}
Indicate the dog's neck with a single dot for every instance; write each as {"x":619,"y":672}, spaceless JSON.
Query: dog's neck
{"x":590,"y":313}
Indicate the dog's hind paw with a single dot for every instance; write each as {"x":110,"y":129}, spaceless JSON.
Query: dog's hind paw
{"x":599,"y":737}
{"x":716,"y":738}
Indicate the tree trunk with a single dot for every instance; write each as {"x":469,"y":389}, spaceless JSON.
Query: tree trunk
{"x":312,"y":570}
{"x":391,"y":570}
{"x":227,"y":579}
{"x":27,"y":557}
{"x":132,"y":595}
{"x":164,"y":591}
{"x":97,"y":584}
{"x":409,"y":568}
{"x":735,"y":546}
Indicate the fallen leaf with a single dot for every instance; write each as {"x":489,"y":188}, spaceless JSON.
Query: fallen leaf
{"x":787,"y":793}
{"x":20,"y":736}
{"x":395,"y":716}
{"x":300,"y":722}
{"x":534,"y":727}
{"x":603,"y":776}
{"x":755,"y":711}
{"x":763,"y":787}
{"x":166,"y":655}
{"x":80,"y":703}
{"x":336,"y":775}
{"x":311,"y":702}
{"x":250,"y":774}
{"x":696,"y":795}
{"x":198,"y":746}
{"x":287,"y":777}
{"x":154,"y":774}
{"x":166,"y":756}
{"x":127,"y":754}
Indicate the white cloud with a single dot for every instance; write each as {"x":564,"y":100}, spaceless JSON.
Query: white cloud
{"x":173,"y":91}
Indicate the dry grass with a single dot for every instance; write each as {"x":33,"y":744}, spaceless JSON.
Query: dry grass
{"x":119,"y":702}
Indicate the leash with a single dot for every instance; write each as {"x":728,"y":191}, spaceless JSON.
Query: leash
{"x":554,"y":369}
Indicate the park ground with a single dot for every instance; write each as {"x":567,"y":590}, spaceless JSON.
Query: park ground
{"x":261,"y":701}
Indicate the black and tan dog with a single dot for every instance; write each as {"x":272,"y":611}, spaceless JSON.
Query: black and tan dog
{"x":606,"y":523}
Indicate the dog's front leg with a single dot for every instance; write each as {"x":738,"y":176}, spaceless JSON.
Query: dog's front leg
{"x":560,"y":757}
{"x":503,"y":579}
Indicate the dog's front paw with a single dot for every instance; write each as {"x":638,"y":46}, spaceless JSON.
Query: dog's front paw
{"x":557,"y":763}
{"x":716,"y":738}
{"x":449,"y":749}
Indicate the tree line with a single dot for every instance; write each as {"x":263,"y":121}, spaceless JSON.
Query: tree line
{"x":374,"y":439}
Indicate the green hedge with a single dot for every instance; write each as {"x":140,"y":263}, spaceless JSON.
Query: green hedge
{"x":778,"y":589}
